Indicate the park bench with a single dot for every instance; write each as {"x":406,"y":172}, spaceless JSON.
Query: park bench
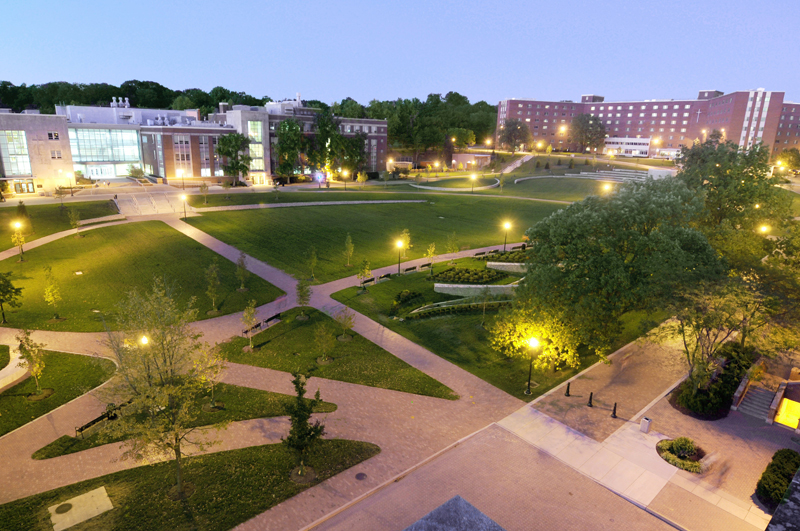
{"x":410,"y":269}
{"x":480,"y":253}
{"x":387,"y":276}
{"x":368,"y":281}
{"x":425,"y":266}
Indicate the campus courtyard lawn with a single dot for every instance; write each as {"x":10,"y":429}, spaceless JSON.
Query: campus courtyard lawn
{"x":462,"y":182}
{"x":303,"y":195}
{"x":240,"y":403}
{"x":290,"y":346}
{"x":230,"y":488}
{"x":113,"y":261}
{"x":555,"y":188}
{"x":69,"y":375}
{"x":462,"y":340}
{"x":282,"y":237}
{"x":49,"y":219}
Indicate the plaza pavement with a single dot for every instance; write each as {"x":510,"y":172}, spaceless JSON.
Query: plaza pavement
{"x":410,"y":429}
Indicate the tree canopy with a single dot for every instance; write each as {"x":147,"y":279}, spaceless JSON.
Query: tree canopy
{"x":232,"y":147}
{"x":588,"y":131}
{"x":514,"y":133}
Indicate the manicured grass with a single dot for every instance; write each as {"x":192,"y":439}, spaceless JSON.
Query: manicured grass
{"x":462,"y":340}
{"x":289,"y":346}
{"x":241,"y":403}
{"x":5,"y":356}
{"x":300,"y":196}
{"x":557,"y":188}
{"x":70,"y":375}
{"x":113,"y":261}
{"x":49,"y":219}
{"x":230,"y":488}
{"x":462,"y":182}
{"x":282,"y":237}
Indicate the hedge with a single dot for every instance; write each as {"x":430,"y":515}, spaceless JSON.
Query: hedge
{"x":469,"y":276}
{"x":775,"y":480}
{"x":668,"y":453}
{"x":514,"y":257}
{"x":456,"y":309}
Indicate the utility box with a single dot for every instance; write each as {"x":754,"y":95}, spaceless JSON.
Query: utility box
{"x":644,"y":426}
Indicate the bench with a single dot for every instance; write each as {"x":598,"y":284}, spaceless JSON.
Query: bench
{"x":425,"y":266}
{"x":262,"y":325}
{"x":518,"y":247}
{"x":387,"y":276}
{"x":368,"y":281}
{"x":410,"y":269}
{"x":110,"y":414}
{"x":493,"y":251}
{"x":482,"y":253}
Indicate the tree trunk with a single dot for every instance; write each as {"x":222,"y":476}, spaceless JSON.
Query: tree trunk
{"x":178,"y":471}
{"x":3,"y":311}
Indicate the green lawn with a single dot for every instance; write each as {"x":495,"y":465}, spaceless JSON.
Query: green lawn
{"x":282,"y":237}
{"x":240,"y":403}
{"x":462,"y":182}
{"x":303,"y":195}
{"x":230,"y":488}
{"x":5,"y":356}
{"x":69,"y":375}
{"x":113,"y":261}
{"x":289,"y":346}
{"x":49,"y":219}
{"x":557,"y":188}
{"x":462,"y":340}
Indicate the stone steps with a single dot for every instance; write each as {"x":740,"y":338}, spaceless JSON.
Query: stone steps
{"x":756,"y":402}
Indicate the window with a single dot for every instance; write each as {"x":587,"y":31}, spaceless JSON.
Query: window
{"x":254,"y":131}
{"x":55,"y":154}
{"x":104,"y":145}
{"x":52,"y":135}
{"x":14,"y":153}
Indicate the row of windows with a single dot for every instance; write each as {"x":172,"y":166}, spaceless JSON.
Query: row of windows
{"x":104,"y":145}
{"x":644,"y":107}
{"x":14,"y":153}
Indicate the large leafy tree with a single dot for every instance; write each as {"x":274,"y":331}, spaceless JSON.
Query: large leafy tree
{"x":604,"y":256}
{"x":325,"y":145}
{"x":514,"y":133}
{"x":290,"y":144}
{"x":464,"y":137}
{"x":233,"y":147}
{"x":161,"y":378}
{"x":9,"y":294}
{"x":790,"y":158}
{"x":588,"y":131}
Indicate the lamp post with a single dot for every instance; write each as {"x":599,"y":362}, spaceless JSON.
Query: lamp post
{"x":534,"y":344}
{"x":606,"y":187}
{"x":344,"y":179}
{"x":71,"y":176}
{"x":18,"y":238}
{"x":183,"y":198}
{"x":507,"y":226}
{"x":180,"y":174}
{"x":399,"y":252}
{"x":473,"y":177}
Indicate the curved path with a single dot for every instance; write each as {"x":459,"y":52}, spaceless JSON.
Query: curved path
{"x":408,"y":428}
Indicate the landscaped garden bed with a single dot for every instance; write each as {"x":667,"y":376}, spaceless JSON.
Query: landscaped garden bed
{"x":513,"y":257}
{"x":775,"y":480}
{"x":459,"y":275}
{"x":682,"y":453}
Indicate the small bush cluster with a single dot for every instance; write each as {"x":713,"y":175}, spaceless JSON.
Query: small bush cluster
{"x":461,"y":308}
{"x":776,"y":478}
{"x":405,"y":298}
{"x":679,"y":452}
{"x":514,"y":257}
{"x":714,"y":400}
{"x":468,"y":276}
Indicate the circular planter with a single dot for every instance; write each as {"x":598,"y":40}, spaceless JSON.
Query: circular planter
{"x":46,"y":393}
{"x":308,"y":477}
{"x":324,"y":361}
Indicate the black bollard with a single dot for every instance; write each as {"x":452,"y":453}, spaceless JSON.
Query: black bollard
{"x":614,"y":412}
{"x":590,"y":400}
{"x":567,"y":393}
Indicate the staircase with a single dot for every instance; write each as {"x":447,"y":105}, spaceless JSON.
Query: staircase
{"x":756,"y":402}
{"x":516,"y":164}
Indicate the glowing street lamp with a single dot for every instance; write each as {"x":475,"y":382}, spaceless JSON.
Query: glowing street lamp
{"x":399,"y":252}
{"x":473,"y":177}
{"x":344,"y":179}
{"x":506,"y":226}
{"x":533,"y":343}
{"x":18,"y":240}
{"x":606,"y":187}
{"x":183,"y":198}
{"x":758,"y":206}
{"x":144,"y":341}
{"x":764,"y":229}
{"x":71,"y":177}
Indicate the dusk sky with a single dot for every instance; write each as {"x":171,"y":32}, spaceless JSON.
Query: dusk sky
{"x":626,"y":49}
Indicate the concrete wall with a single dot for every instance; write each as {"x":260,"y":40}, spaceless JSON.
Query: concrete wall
{"x":507,"y":266}
{"x":472,"y":290}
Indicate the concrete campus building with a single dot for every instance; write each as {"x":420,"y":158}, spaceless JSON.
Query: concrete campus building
{"x":660,"y":128}
{"x":40,"y":152}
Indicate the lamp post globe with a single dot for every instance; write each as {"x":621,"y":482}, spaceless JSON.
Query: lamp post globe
{"x":533,"y":343}
{"x":506,"y":226}
{"x":399,"y":244}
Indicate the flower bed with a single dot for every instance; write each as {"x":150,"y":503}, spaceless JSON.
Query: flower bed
{"x":405,"y":298}
{"x":682,"y":453}
{"x":458,"y":275}
{"x":515,"y":257}
{"x":461,"y":308}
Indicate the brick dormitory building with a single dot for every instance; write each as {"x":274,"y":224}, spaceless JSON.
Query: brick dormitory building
{"x":660,"y":128}
{"x":39,"y":152}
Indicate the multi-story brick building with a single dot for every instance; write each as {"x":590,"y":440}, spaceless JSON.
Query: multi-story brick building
{"x":662,"y":127}
{"x":40,"y":152}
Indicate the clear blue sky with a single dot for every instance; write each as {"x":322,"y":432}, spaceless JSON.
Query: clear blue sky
{"x":328,"y":50}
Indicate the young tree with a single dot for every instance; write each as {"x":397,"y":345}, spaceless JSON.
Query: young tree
{"x":135,"y":171}
{"x":204,"y":192}
{"x":242,"y":273}
{"x":209,"y":367}
{"x":9,"y":295}
{"x":75,"y":220}
{"x":362,"y":178}
{"x":364,"y":272}
{"x":346,"y":320}
{"x":405,"y":237}
{"x":502,"y":180}
{"x":233,"y":147}
{"x":290,"y":145}
{"x":60,"y":192}
{"x":213,"y":283}
{"x":452,"y":245}
{"x":348,"y":248}
{"x":249,"y":320}
{"x":31,"y":356}
{"x":303,"y":297}
{"x":430,"y":255}
{"x":514,"y":133}
{"x":312,"y":260}
{"x":155,"y":351}
{"x":52,"y":293}
{"x":18,"y":240}
{"x":302,"y":435}
{"x":227,"y":185}
{"x":790,"y":158}
{"x":385,"y":175}
{"x":485,"y":297}
{"x":324,"y":339}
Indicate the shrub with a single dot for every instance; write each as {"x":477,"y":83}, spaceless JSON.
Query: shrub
{"x":585,"y":162}
{"x":714,"y":400}
{"x":404,"y":298}
{"x":683,"y":447}
{"x":538,"y":164}
{"x":547,"y":165}
{"x":469,"y":276}
{"x":775,"y":480}
{"x":674,"y":453}
{"x":571,"y":163}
